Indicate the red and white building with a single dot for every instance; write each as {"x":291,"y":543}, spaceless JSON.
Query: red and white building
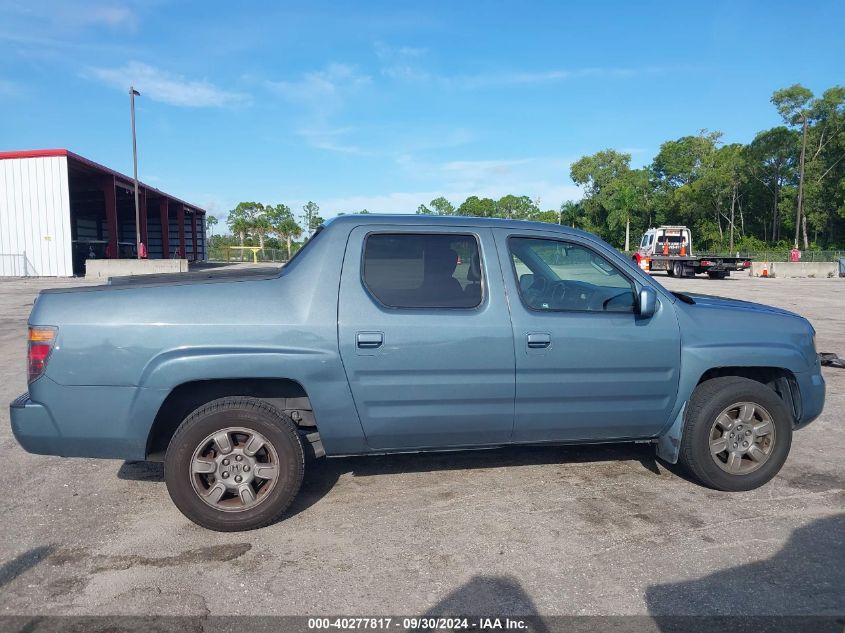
{"x":58,"y":209}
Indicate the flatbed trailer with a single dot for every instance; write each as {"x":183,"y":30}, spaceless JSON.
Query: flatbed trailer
{"x":669,"y":249}
{"x":715,"y":266}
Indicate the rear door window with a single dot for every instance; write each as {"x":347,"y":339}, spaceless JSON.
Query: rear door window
{"x":417,"y":270}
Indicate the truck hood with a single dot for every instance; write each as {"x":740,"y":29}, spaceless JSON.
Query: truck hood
{"x":723,"y":303}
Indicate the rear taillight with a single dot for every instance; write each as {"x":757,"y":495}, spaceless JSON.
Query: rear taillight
{"x":706,"y":262}
{"x":41,"y":340}
{"x":747,"y":264}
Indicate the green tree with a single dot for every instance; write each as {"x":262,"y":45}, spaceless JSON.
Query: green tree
{"x":423,"y":210}
{"x":210,"y":222}
{"x":284,"y":224}
{"x":261,"y":226}
{"x":311,"y":219}
{"x":794,"y":106}
{"x":627,"y":197}
{"x":517,"y":207}
{"x":478,"y":207}
{"x":242,"y":219}
{"x":441,"y":206}
{"x":771,"y":159}
{"x":571,"y":214}
{"x":594,"y":174}
{"x":549,"y":217}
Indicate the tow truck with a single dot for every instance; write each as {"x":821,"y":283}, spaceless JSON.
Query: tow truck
{"x":669,"y":248}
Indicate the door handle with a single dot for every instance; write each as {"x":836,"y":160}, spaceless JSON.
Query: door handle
{"x":539,"y":340}
{"x":370,"y":340}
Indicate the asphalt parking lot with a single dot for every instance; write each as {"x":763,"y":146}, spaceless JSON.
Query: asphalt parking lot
{"x":586,"y":530}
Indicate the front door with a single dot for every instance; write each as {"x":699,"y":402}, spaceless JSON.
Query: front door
{"x":425,"y":337}
{"x":587,"y":366}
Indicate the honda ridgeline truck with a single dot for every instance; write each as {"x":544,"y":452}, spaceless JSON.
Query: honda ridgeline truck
{"x":409,"y":333}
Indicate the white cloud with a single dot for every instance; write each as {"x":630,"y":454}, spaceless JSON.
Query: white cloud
{"x":551,"y":195}
{"x":322,"y":88}
{"x":402,"y":62}
{"x":330,"y":139}
{"x":536,"y":177}
{"x":320,"y":95}
{"x":111,"y":16}
{"x":405,"y":63}
{"x":169,"y":88}
{"x":509,"y":78}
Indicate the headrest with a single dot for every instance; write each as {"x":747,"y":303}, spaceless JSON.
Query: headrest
{"x":474,"y":272}
{"x":440,"y":261}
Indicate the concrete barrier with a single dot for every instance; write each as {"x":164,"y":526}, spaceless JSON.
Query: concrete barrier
{"x":794,"y":269}
{"x":105,"y":268}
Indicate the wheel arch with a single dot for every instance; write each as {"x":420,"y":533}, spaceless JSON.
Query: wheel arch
{"x":780,"y":379}
{"x":285,"y":394}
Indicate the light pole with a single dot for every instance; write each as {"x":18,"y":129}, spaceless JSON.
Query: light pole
{"x":132,"y":94}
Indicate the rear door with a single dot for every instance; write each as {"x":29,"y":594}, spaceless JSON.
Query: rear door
{"x":587,"y":367}
{"x":425,"y":337}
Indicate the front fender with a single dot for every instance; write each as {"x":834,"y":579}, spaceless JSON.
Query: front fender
{"x":698,"y":359}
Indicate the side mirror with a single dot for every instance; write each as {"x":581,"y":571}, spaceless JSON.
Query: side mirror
{"x":647,"y":303}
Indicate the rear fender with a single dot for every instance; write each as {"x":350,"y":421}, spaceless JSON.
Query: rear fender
{"x":319,"y":372}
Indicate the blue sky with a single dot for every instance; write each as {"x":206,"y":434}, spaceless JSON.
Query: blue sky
{"x":385,"y":105}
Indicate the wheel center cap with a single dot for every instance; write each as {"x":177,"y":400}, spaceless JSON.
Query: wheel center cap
{"x":235,"y":468}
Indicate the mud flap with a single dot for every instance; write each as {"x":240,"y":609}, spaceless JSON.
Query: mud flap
{"x":669,"y":443}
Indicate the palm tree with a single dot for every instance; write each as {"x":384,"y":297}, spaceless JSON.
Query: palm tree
{"x":210,"y":222}
{"x":241,"y":220}
{"x":284,"y":224}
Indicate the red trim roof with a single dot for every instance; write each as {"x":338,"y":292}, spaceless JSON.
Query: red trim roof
{"x":34,"y":153}
{"x":46,"y":153}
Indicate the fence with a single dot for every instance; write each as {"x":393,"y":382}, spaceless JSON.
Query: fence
{"x":247,"y":254}
{"x":784,"y":256}
{"x":775,"y":256}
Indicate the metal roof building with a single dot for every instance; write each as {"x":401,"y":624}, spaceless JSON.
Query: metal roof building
{"x":58,"y":209}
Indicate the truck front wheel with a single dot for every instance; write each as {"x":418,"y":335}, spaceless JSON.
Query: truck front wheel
{"x":737,"y":434}
{"x":234,"y":464}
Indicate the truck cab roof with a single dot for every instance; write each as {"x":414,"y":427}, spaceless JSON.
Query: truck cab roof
{"x":398,"y":219}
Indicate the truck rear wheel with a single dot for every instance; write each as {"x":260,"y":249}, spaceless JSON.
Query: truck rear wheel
{"x":234,"y":464}
{"x":717,"y":274}
{"x":677,"y":269}
{"x":737,"y":434}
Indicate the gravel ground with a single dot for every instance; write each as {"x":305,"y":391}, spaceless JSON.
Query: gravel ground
{"x":587,"y":530}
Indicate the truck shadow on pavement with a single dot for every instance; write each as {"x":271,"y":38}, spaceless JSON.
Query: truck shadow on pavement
{"x":805,"y":578}
{"x":23,"y":563}
{"x":322,"y":475}
{"x":491,"y":596}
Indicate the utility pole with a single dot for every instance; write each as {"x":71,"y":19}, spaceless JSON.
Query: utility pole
{"x":132,"y":94}
{"x":799,"y":214}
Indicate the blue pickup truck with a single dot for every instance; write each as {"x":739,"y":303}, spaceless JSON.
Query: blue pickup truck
{"x":409,"y":333}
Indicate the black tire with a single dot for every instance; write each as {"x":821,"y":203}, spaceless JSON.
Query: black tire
{"x":244,"y":413}
{"x":721,"y":274}
{"x":670,"y":271}
{"x":677,"y":270}
{"x":708,"y":401}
